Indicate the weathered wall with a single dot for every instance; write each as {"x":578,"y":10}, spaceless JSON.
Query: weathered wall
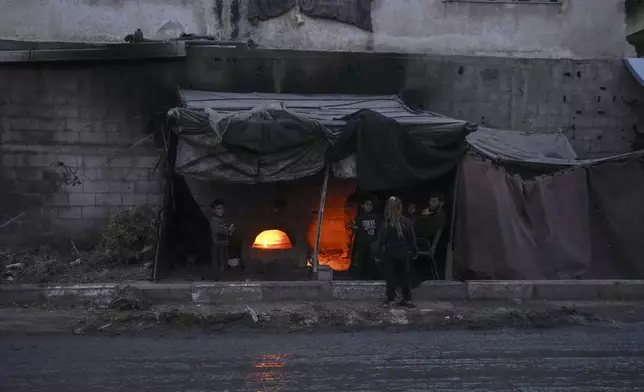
{"x":82,"y":114}
{"x":530,"y":28}
{"x":64,"y":128}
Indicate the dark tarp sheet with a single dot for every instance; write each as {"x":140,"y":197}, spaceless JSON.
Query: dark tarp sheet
{"x":390,"y":156}
{"x":268,"y":9}
{"x":585,"y":222}
{"x":267,"y":144}
{"x":354,"y":12}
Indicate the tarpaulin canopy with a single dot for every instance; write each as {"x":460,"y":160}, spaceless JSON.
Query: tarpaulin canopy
{"x":254,"y":138}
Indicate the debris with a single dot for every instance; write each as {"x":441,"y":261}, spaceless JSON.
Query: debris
{"x":75,"y":263}
{"x":398,"y":316}
{"x":148,"y":265}
{"x":146,"y":253}
{"x":130,"y":233}
{"x":129,"y":298}
{"x":9,"y":279}
{"x":104,"y":327}
{"x":14,"y":266}
{"x":252,"y":314}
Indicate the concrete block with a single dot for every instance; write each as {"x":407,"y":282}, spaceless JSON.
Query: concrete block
{"x":67,"y":137}
{"x":99,"y":294}
{"x":21,"y":295}
{"x":148,"y":187}
{"x":134,"y":199}
{"x":79,"y":125}
{"x":121,"y":187}
{"x":108,"y":199}
{"x":82,"y":199}
{"x":24,"y":124}
{"x":160,"y":293}
{"x":66,"y":112}
{"x":93,"y":212}
{"x":91,"y":186}
{"x":563,"y":290}
{"x":325,"y":273}
{"x":146,"y":162}
{"x":59,"y":200}
{"x":622,"y":290}
{"x":122,"y":162}
{"x":93,"y":137}
{"x":358,"y":290}
{"x":94,"y":160}
{"x":440,"y":290}
{"x":208,"y":293}
{"x":296,"y":291}
{"x":500,"y":290}
{"x":69,"y":212}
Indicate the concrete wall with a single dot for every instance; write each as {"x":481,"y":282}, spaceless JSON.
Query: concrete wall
{"x":530,"y":28}
{"x":83,"y":114}
{"x":65,"y":130}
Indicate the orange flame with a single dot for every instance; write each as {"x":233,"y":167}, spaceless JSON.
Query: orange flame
{"x":272,"y":239}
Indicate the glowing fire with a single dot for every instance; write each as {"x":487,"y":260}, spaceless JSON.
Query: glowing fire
{"x":272,"y":239}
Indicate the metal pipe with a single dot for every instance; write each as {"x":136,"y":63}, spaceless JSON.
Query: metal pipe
{"x":449,"y":263}
{"x":316,"y":251}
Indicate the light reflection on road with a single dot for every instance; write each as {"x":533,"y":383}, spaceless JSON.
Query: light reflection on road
{"x":268,"y":372}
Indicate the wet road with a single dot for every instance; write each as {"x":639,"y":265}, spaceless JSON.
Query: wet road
{"x":571,"y":359}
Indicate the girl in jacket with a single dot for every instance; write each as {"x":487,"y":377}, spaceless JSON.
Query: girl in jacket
{"x":396,"y":239}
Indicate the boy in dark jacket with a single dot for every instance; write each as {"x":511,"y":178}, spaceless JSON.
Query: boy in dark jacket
{"x":365,"y":229}
{"x":220,"y":230}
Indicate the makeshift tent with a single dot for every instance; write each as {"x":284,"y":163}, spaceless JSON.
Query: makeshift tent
{"x":526,"y":207}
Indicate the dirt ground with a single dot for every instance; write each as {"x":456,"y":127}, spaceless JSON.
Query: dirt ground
{"x":307,"y":316}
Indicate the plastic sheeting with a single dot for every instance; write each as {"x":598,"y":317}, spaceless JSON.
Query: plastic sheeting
{"x":267,"y":144}
{"x":581,"y":223}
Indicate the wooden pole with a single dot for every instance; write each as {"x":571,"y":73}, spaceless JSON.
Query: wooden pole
{"x":316,"y":251}
{"x":449,"y":263}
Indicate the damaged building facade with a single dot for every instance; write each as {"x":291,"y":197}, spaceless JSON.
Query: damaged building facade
{"x":79,"y":130}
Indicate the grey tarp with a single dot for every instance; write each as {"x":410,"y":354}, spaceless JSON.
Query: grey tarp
{"x":579,"y":220}
{"x":267,"y":144}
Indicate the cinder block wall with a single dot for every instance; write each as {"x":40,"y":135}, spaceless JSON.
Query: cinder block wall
{"x":66,"y":132}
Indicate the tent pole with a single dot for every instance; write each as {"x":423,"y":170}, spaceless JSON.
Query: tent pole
{"x":449,"y":263}
{"x":316,"y":251}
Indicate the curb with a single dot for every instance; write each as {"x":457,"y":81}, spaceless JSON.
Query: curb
{"x":215,"y":293}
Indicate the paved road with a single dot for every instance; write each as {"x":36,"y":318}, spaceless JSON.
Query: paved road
{"x":575,"y":359}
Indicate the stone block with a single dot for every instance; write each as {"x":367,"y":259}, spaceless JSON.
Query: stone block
{"x":296,"y":291}
{"x":82,"y":199}
{"x":92,"y":212}
{"x":133,"y":199}
{"x":358,"y":290}
{"x":564,"y":290}
{"x":209,"y":293}
{"x":109,"y":199}
{"x":91,"y":186}
{"x":440,"y":290}
{"x":500,"y":290}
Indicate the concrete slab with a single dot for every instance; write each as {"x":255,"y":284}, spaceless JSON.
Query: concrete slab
{"x":626,"y":290}
{"x":564,"y":290}
{"x":500,"y":290}
{"x":229,"y":292}
{"x":358,"y":290}
{"x":440,"y":291}
{"x":297,"y":291}
{"x":166,"y":293}
{"x":99,"y":294}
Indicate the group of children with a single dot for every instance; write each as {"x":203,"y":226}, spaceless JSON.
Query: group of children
{"x":427,"y":226}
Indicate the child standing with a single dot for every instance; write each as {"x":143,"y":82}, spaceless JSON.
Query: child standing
{"x":220,"y":232}
{"x":365,"y":229}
